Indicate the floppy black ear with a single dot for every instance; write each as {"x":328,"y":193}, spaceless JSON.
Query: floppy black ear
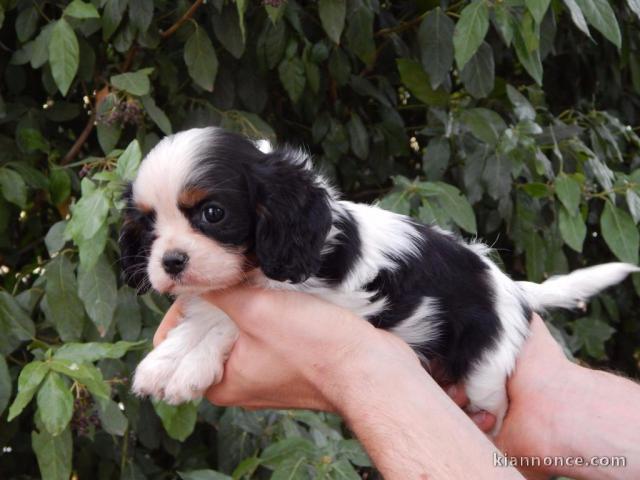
{"x":135,"y":242}
{"x":293,"y":217}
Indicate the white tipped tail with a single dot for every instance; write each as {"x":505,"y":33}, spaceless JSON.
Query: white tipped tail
{"x":574,"y":289}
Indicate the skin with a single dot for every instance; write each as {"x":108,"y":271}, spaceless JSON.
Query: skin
{"x":280,"y":361}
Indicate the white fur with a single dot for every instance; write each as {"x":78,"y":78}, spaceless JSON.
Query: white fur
{"x":573,"y":289}
{"x":191,"y":358}
{"x":421,"y":325}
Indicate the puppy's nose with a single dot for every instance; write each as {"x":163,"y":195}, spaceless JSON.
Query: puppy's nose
{"x":174,"y":261}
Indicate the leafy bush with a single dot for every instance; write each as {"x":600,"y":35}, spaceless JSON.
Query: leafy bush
{"x":509,"y":119}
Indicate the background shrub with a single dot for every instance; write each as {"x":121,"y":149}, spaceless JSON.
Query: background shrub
{"x":511,"y":120}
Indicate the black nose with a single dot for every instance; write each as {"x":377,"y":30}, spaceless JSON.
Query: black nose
{"x":174,"y":261}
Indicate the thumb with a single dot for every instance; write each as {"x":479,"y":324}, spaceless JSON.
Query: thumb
{"x":243,"y":304}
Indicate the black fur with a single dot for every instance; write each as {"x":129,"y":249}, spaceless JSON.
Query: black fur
{"x":345,"y":251}
{"x":135,"y":242}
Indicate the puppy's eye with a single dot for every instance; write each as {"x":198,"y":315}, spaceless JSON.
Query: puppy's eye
{"x":212,"y":213}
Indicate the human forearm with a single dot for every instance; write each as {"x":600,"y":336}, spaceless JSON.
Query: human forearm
{"x":409,"y":427}
{"x":598,"y":417}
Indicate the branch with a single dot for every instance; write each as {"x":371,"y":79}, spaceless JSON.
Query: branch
{"x":187,"y":15}
{"x":77,"y":146}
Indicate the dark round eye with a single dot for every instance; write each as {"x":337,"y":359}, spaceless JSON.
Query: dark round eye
{"x":212,"y":213}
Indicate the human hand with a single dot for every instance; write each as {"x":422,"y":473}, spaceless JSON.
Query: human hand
{"x":294,"y":350}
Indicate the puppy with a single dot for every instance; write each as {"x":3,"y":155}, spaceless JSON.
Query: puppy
{"x":210,"y":209}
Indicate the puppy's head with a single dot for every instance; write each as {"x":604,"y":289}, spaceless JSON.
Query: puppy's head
{"x":208,"y":205}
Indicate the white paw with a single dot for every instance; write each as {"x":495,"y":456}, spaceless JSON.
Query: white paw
{"x":192,"y":378}
{"x":153,"y":372}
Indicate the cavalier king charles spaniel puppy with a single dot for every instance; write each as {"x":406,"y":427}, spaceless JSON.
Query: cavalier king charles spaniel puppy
{"x":210,"y":209}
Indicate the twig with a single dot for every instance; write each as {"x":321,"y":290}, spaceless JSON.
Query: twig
{"x":131,"y":54}
{"x":77,"y":146}
{"x":187,"y":15}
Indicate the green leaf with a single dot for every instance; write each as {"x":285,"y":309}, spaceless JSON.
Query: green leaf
{"x":98,"y":291}
{"x":64,"y":308}
{"x":89,"y":214}
{"x":27,"y":23}
{"x":201,"y":59}
{"x":484,"y":124}
{"x":241,"y":6}
{"x":156,"y":114}
{"x":478,"y":74}
{"x":64,"y":55}
{"x":128,"y":315}
{"x":5,"y":385}
{"x":292,"y":76}
{"x":343,"y":470}
{"x":417,"y":81}
{"x":599,"y":13}
{"x":135,"y":83}
{"x":569,"y":192}
{"x":40,"y":52}
{"x":55,"y":404}
{"x":80,"y":9}
{"x":435,"y":37}
{"x":129,"y":161}
{"x":538,"y":8}
{"x":141,"y":14}
{"x":226,"y":27}
{"x":94,"y":351}
{"x":572,"y":228}
{"x":13,"y":188}
{"x":358,"y":137}
{"x":620,"y":232}
{"x":592,"y":334}
{"x":203,"y":475}
{"x":296,"y":447}
{"x":29,"y":380}
{"x":436,"y":158}
{"x":577,"y":17}
{"x":353,"y":451}
{"x":359,"y":35}
{"x":332,"y":15}
{"x":53,"y":454}
{"x":470,"y":31}
{"x":83,"y":373}
{"x":179,"y":421}
{"x":90,"y":249}
{"x":530,"y":59}
{"x":634,"y":6}
{"x":16,"y":326}
{"x":504,"y":22}
{"x":112,"y":16}
{"x":112,"y":419}
{"x":397,"y":202}
{"x":633,"y":202}
{"x":522,"y":107}
{"x":456,"y":206}
{"x":535,"y":257}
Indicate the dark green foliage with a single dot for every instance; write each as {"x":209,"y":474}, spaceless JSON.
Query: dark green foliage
{"x":515,"y":121}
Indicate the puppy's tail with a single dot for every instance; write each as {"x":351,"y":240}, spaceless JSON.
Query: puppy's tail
{"x":574,"y":289}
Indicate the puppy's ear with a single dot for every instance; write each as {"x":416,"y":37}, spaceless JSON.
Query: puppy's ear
{"x":293,"y":216}
{"x":135,"y":242}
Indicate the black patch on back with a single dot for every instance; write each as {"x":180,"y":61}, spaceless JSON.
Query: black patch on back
{"x":458,"y":279}
{"x":346,"y":251}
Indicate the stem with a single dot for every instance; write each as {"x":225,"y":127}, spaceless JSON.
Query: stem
{"x":80,"y":141}
{"x":187,"y":15}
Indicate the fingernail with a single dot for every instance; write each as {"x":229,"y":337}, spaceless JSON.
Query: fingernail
{"x":452,"y":390}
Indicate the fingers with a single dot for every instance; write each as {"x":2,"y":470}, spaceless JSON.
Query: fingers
{"x":170,"y":320}
{"x":484,"y":420}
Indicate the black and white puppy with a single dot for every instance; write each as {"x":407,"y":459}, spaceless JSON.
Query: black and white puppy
{"x":210,"y":209}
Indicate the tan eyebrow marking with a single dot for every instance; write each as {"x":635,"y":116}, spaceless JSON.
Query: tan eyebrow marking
{"x":191,"y":197}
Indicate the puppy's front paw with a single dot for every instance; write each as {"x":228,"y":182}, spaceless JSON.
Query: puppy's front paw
{"x":153,"y":373}
{"x":192,"y":378}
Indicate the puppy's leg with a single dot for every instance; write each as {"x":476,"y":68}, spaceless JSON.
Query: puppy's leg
{"x":193,"y":353}
{"x":487,"y":390}
{"x":203,"y":365}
